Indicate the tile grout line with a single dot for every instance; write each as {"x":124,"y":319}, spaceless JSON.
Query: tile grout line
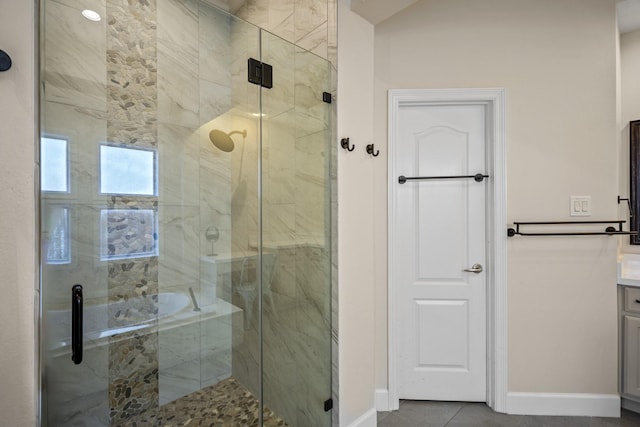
{"x":454,"y":415}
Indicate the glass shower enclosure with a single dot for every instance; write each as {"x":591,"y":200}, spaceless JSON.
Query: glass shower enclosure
{"x":185,"y":219}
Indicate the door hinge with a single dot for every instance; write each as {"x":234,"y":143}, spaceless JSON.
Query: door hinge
{"x":328,"y":405}
{"x":260,"y":73}
{"x":326,"y":97}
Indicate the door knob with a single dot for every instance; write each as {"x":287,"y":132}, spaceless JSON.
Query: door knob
{"x":475,"y":268}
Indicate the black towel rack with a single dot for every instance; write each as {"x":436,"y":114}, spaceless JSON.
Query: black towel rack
{"x":477,"y":177}
{"x":609,"y":231}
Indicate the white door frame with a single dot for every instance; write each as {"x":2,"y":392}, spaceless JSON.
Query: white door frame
{"x":496,"y":231}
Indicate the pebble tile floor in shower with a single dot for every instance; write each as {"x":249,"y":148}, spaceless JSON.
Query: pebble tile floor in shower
{"x":456,"y":414}
{"x":225,"y":404}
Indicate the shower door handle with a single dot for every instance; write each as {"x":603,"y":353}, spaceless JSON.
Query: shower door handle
{"x":76,"y":324}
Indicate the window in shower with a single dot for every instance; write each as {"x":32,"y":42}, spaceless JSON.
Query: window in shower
{"x":126,"y":170}
{"x":58,"y":249}
{"x":54,"y":165}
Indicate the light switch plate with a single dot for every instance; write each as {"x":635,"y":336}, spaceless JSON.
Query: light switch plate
{"x":580,"y":206}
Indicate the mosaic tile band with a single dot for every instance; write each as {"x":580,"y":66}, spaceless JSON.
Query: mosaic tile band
{"x":132,"y":121}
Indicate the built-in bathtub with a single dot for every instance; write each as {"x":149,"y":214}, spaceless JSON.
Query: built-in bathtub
{"x":166,"y":310}
{"x":194,"y":350}
{"x":126,"y":316}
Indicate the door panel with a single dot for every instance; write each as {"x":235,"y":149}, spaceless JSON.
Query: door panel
{"x":439,"y":347}
{"x":441,"y":232}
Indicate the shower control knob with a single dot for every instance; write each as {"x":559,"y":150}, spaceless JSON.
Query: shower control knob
{"x":212,"y":235}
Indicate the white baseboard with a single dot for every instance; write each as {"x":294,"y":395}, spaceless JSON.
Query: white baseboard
{"x":368,"y":419}
{"x":568,"y":404}
{"x":382,"y":400}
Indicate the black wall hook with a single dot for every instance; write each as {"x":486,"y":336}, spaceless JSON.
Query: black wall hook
{"x":344,"y":142}
{"x":628,"y":204}
{"x":370,"y":150}
{"x":5,"y":60}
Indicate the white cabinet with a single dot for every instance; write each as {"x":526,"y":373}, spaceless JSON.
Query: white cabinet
{"x":631,"y":382}
{"x":630,"y":346}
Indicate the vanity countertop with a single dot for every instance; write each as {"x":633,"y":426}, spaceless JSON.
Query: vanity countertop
{"x":629,"y":270}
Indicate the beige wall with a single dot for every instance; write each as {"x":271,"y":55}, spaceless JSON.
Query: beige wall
{"x":557,"y":61}
{"x":17,"y":237}
{"x":356,"y":193}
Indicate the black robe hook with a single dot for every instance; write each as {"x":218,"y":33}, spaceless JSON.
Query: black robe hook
{"x":5,"y":60}
{"x":370,"y":150}
{"x":344,"y":142}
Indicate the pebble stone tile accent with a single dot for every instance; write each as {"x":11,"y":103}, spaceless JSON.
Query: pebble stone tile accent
{"x":132,"y":112}
{"x":132,"y":81}
{"x":133,"y":357}
{"x":225,"y":404}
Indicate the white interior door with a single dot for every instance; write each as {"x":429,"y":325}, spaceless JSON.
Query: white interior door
{"x":440,"y":233}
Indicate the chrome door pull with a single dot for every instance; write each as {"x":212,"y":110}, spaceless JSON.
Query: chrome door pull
{"x":475,"y":268}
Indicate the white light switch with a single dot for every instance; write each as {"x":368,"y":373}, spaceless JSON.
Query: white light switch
{"x":580,"y":206}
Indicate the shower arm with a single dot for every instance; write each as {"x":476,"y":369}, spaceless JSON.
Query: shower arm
{"x":241,"y":132}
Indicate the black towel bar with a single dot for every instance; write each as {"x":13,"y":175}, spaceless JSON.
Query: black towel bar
{"x":609,"y":231}
{"x":477,"y":177}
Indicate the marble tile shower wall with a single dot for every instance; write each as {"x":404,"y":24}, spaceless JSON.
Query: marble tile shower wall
{"x":196,"y":47}
{"x":296,"y":339}
{"x":310,"y":24}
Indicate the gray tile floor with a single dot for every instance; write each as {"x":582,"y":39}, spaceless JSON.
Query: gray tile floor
{"x":459,"y":414}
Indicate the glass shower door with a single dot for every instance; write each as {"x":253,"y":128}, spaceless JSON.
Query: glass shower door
{"x":149,"y":201}
{"x":296,"y":235}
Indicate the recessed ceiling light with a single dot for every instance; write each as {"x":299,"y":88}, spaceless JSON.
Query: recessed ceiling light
{"x":91,"y":15}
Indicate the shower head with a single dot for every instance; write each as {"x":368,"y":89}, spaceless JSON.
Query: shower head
{"x":223,"y":140}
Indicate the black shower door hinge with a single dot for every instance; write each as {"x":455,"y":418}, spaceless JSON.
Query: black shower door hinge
{"x":328,"y":405}
{"x":326,"y":97}
{"x":260,"y":73}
